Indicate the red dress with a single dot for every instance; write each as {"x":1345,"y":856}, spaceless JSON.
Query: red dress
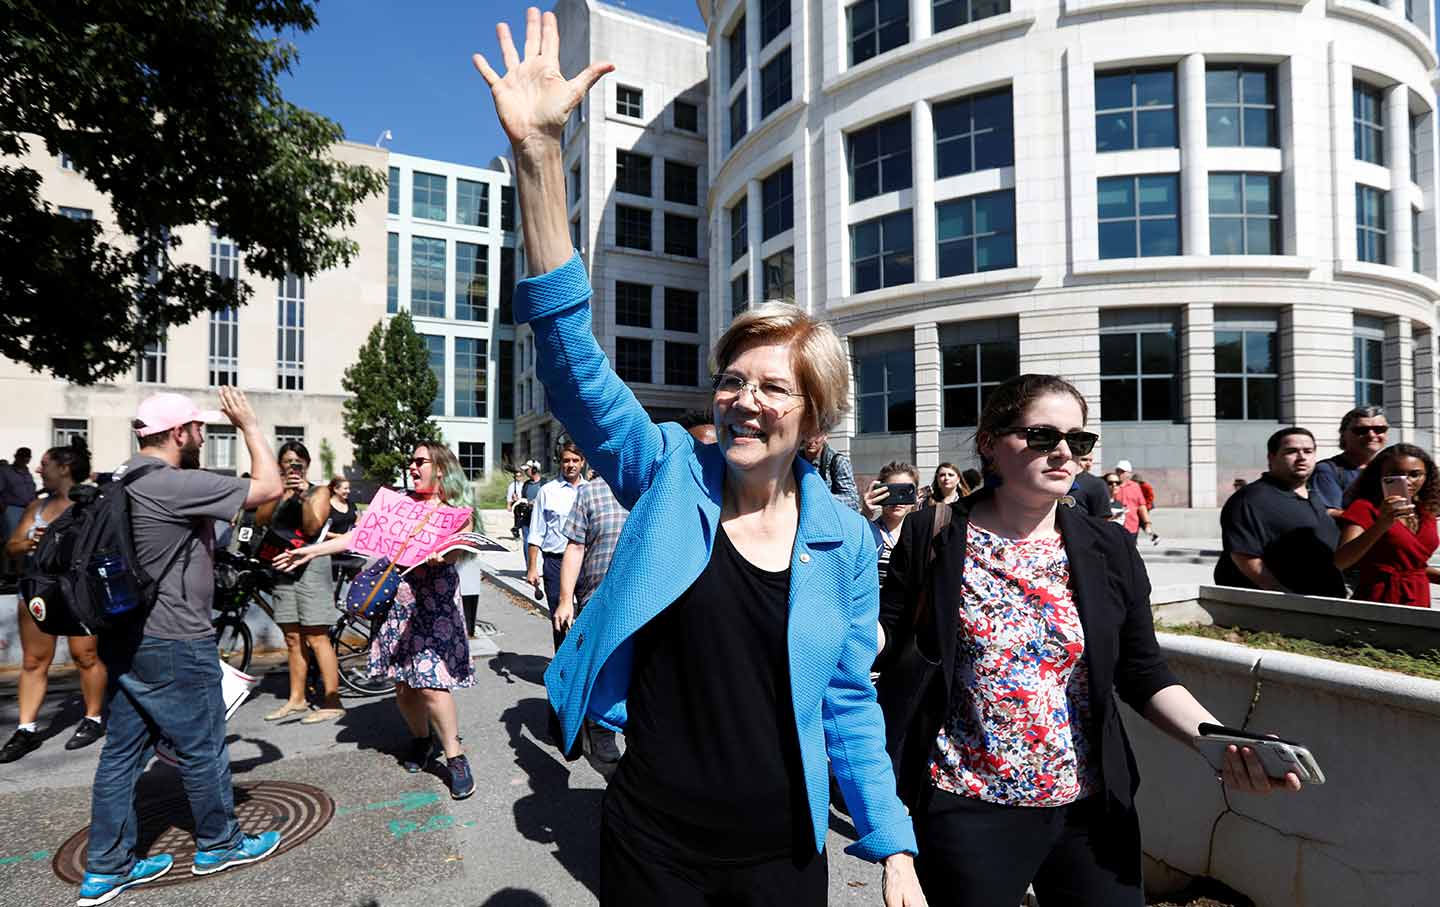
{"x":1393,"y":570}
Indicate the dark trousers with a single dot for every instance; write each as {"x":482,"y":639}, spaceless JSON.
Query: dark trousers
{"x":631,"y":875}
{"x":978,"y":854}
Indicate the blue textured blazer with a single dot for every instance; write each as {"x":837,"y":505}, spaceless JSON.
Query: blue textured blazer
{"x":672,"y":486}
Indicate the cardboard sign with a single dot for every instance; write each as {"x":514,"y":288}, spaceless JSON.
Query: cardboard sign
{"x":388,"y":527}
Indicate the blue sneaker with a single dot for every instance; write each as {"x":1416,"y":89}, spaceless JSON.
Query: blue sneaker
{"x":251,"y":849}
{"x":462,"y":781}
{"x":98,"y":888}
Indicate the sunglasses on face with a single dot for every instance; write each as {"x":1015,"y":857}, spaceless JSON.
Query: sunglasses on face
{"x":1045,"y":439}
{"x":418,"y":462}
{"x":1362,"y":430}
{"x":1113,"y":484}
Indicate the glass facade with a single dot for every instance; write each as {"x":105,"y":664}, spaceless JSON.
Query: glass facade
{"x":1369,"y":370}
{"x":393,"y":203}
{"x":472,"y":203}
{"x":974,"y":133}
{"x":224,"y":351}
{"x":632,"y":227}
{"x":1369,"y":121}
{"x":739,"y":294}
{"x":682,"y":235}
{"x":976,"y":233}
{"x":629,"y":102}
{"x":471,"y":378}
{"x":290,"y":334}
{"x":682,"y":310}
{"x":884,"y":385}
{"x":427,"y":195}
{"x":1371,"y":233}
{"x":774,"y":19}
{"x":879,"y":158}
{"x":427,"y":277}
{"x":735,"y":50}
{"x":1247,"y":374}
{"x":632,"y":360}
{"x":472,"y":282}
{"x":775,"y":83}
{"x":435,"y":352}
{"x":739,"y":118}
{"x":779,"y":276}
{"x":1139,"y":376}
{"x":1139,"y":216}
{"x":969,"y":372}
{"x":632,"y":173}
{"x":947,"y":14}
{"x":1245,"y":214}
{"x":682,"y":364}
{"x":739,"y":229}
{"x":632,"y":304}
{"x":877,"y":26}
{"x":777,"y":198}
{"x":392,"y":273}
{"x":1240,"y":106}
{"x":682,"y":183}
{"x":687,"y":116}
{"x":882,"y":252}
{"x":1136,"y":109}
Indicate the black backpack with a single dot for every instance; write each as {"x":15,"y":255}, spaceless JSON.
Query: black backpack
{"x":85,"y":578}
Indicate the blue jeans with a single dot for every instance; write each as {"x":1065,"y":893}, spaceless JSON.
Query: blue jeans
{"x":171,"y":688}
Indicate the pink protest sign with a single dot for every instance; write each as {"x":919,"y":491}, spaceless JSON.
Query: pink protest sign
{"x":392,"y":527}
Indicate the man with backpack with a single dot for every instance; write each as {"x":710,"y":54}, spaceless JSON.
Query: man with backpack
{"x":164,"y":673}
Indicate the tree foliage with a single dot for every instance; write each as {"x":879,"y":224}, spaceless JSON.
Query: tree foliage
{"x":173,"y":109}
{"x":392,"y":390}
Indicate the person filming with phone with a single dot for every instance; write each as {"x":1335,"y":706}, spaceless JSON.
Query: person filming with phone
{"x":893,"y":494}
{"x":1388,"y":529}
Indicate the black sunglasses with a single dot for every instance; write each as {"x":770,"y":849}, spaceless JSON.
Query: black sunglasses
{"x":1045,"y":439}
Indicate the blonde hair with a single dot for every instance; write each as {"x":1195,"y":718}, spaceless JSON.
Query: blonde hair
{"x":816,"y":355}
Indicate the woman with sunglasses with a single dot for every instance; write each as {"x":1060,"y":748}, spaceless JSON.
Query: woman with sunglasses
{"x":1388,"y":529}
{"x":732,"y":638}
{"x":999,"y":668}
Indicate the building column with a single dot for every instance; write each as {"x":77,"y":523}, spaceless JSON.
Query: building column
{"x":1424,"y":359}
{"x":927,"y":397}
{"x":754,"y":230}
{"x":1400,"y":378}
{"x":1317,"y":382}
{"x":921,"y":25}
{"x":922,"y":129}
{"x":1197,"y":400}
{"x":1397,"y":157}
{"x":1065,"y":344}
{"x":841,"y":435}
{"x":1194,"y":177}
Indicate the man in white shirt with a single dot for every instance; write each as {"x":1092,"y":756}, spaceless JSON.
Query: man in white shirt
{"x":546,"y":541}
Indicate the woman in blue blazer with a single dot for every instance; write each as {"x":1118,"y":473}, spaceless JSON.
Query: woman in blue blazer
{"x":732,"y":638}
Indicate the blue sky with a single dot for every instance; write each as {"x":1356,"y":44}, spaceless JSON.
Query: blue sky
{"x":374,"y":65}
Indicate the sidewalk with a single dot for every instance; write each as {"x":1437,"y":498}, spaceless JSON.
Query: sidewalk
{"x":506,"y":568}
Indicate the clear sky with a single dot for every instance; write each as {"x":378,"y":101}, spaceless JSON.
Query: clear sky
{"x":404,"y":65}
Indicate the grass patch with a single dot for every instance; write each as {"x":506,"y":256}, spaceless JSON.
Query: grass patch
{"x":1351,"y":652}
{"x":490,"y":494}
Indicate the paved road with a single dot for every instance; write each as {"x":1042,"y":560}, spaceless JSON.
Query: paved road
{"x":526,"y":839}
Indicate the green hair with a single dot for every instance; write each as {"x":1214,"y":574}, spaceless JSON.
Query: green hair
{"x":455,"y":488}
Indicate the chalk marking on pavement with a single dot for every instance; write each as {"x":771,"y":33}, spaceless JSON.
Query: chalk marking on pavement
{"x":35,"y":856}
{"x":400,"y":828}
{"x":407,"y":802}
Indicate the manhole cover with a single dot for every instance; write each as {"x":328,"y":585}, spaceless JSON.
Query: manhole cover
{"x":297,"y":811}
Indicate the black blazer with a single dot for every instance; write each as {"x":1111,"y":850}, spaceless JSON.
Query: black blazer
{"x":1112,"y":596}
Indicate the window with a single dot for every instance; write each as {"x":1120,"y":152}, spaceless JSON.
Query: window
{"x":392,"y":273}
{"x":1415,"y":244}
{"x":284,"y":434}
{"x":472,"y":282}
{"x":427,"y":195}
{"x":629,"y":102}
{"x":1139,"y":375}
{"x":224,"y":356}
{"x":953,"y":13}
{"x":1369,"y":362}
{"x":975,"y":358}
{"x":885,"y":383}
{"x":976,"y":233}
{"x":1139,"y":216}
{"x":973,"y":133}
{"x":472,"y":203}
{"x":882,"y":252}
{"x":471,"y":384}
{"x":574,"y":183}
{"x":150,"y":364}
{"x":290,"y":334}
{"x":220,"y":448}
{"x":682,"y":183}
{"x":774,"y":19}
{"x":1369,"y":117}
{"x":778,"y":275}
{"x":77,"y":213}
{"x":1135,"y":109}
{"x":632,"y":360}
{"x":777,"y":195}
{"x":1240,"y":106}
{"x":505,"y":394}
{"x":435,"y":349}
{"x":877,"y":26}
{"x":682,"y":364}
{"x":1247,"y":383}
{"x":687,"y":116}
{"x":64,"y":431}
{"x":682,"y":235}
{"x":394,"y":203}
{"x":1415,"y":122}
{"x":507,"y":285}
{"x":739,"y":229}
{"x":67,"y":163}
{"x":1370,"y":225}
{"x":739,"y":294}
{"x":575,"y":234}
{"x":1245,"y":214}
{"x":632,"y":227}
{"x":632,"y":173}
{"x":739,"y":118}
{"x":775,"y":83}
{"x":682,"y":310}
{"x":427,"y":277}
{"x":471,"y":455}
{"x":507,"y":207}
{"x":880,"y":158}
{"x":632,"y":304}
{"x":735,"y":44}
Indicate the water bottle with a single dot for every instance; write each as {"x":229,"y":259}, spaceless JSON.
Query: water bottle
{"x":110,"y":569}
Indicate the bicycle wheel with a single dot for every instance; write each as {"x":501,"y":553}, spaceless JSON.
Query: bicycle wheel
{"x":233,"y":639}
{"x":351,"y":638}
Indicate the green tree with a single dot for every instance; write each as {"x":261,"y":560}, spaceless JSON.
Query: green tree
{"x":393,"y":390}
{"x":173,"y":109}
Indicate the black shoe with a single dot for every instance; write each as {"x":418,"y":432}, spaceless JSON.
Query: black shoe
{"x":422,"y":751}
{"x":86,"y":732}
{"x":462,"y":782}
{"x":19,"y":744}
{"x":602,"y":745}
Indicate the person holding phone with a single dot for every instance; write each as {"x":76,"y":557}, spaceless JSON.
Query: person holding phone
{"x":1388,"y":528}
{"x":893,"y":494}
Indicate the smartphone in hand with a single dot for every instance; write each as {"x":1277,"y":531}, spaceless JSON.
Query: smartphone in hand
{"x":1278,"y":757}
{"x":900,"y":493}
{"x":1395,"y":487}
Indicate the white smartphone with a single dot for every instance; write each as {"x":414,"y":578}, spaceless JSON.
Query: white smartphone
{"x":1396,"y":487}
{"x":1277,"y":757}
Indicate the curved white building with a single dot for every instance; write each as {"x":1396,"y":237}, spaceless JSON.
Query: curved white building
{"x":1216,"y":218}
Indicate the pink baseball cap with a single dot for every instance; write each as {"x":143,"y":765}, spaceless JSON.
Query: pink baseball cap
{"x":162,"y":412}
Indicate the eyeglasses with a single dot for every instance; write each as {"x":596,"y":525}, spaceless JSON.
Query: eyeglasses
{"x":417,"y":462}
{"x":1362,"y":430}
{"x":769,"y":394}
{"x":1113,"y":484}
{"x":1045,"y":439}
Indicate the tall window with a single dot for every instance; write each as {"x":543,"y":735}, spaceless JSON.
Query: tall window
{"x":507,"y":207}
{"x":471,"y":379}
{"x":1416,"y":246}
{"x":882,"y":252}
{"x":976,"y":233}
{"x":975,"y":358}
{"x":392,"y":273}
{"x":629,"y":102}
{"x":1240,"y":106}
{"x":687,"y":116}
{"x":974,"y":133}
{"x":777,"y":195}
{"x":682,"y":235}
{"x":394,"y":201}
{"x":739,"y":117}
{"x":427,"y":277}
{"x":775,"y":83}
{"x":472,"y":282}
{"x":224,"y":359}
{"x":67,"y":163}
{"x":1370,"y":224}
{"x":779,"y":276}
{"x":632,"y":227}
{"x":735,"y":50}
{"x":1139,"y":375}
{"x":471,"y":455}
{"x":739,"y":294}
{"x":739,"y":229}
{"x":1247,"y":380}
{"x":1369,"y":363}
{"x":632,"y":173}
{"x":877,"y":26}
{"x":1135,"y":109}
{"x":682,"y":364}
{"x":632,"y":360}
{"x":150,"y":364}
{"x":1245,"y":214}
{"x":879,"y":158}
{"x":290,"y":334}
{"x":507,"y":285}
{"x":505,"y":393}
{"x":632,"y":304}
{"x":427,"y":195}
{"x":682,"y":183}
{"x":472,"y":203}
{"x":953,"y":13}
{"x":774,"y":19}
{"x":221,"y":447}
{"x":682,"y":310}
{"x":435,"y":351}
{"x":1139,"y":216}
{"x":1369,"y":119}
{"x":885,"y":384}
